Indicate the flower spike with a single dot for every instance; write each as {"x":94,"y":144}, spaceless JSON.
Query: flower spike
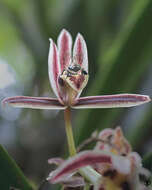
{"x":34,"y":102}
{"x":111,"y":101}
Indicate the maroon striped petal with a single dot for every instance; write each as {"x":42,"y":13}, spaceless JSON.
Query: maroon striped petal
{"x":64,"y":46}
{"x":56,"y":161}
{"x":72,"y":181}
{"x":77,"y":82}
{"x":34,"y":102}
{"x":54,"y":68}
{"x":80,"y":55}
{"x":111,"y":101}
{"x":86,"y":158}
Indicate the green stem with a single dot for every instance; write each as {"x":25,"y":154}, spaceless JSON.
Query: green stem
{"x":91,"y":175}
{"x":69,"y":133}
{"x":87,"y":186}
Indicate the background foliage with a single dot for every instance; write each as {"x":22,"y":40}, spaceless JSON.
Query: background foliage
{"x":119,"y":39}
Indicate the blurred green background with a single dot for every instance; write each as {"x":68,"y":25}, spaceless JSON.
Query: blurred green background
{"x":118,"y":34}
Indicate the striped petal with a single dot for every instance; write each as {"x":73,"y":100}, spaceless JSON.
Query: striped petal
{"x":71,"y":181}
{"x":64,"y":46}
{"x":56,"y":161}
{"x":74,"y":182}
{"x":54,"y":68}
{"x":86,"y":158}
{"x":111,"y":101}
{"x":80,"y":55}
{"x":33,"y":102}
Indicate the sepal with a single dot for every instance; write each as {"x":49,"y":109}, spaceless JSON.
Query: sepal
{"x":111,"y":101}
{"x":33,"y":102}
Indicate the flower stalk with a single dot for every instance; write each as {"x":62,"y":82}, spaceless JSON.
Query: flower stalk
{"x":90,"y":175}
{"x":69,"y":133}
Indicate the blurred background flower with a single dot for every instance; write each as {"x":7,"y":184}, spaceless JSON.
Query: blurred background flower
{"x":119,"y":40}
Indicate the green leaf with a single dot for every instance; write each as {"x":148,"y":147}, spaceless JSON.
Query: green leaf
{"x":10,"y":173}
{"x":121,"y":67}
{"x":141,"y":131}
{"x":147,"y":161}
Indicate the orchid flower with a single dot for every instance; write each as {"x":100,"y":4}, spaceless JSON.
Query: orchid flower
{"x":68,"y":74}
{"x":112,"y":158}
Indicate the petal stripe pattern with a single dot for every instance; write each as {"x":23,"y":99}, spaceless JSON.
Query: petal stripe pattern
{"x":64,"y":46}
{"x":111,"y":101}
{"x":80,"y":55}
{"x":54,"y":68}
{"x":90,"y":158}
{"x":34,"y":102}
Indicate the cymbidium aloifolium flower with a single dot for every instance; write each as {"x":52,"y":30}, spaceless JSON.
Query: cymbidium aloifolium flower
{"x":119,"y":168}
{"x":68,"y":74}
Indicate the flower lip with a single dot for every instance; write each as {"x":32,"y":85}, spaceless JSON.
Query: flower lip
{"x":75,"y":77}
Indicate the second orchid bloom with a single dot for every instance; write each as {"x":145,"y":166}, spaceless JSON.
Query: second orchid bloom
{"x":68,"y":74}
{"x":119,"y":168}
